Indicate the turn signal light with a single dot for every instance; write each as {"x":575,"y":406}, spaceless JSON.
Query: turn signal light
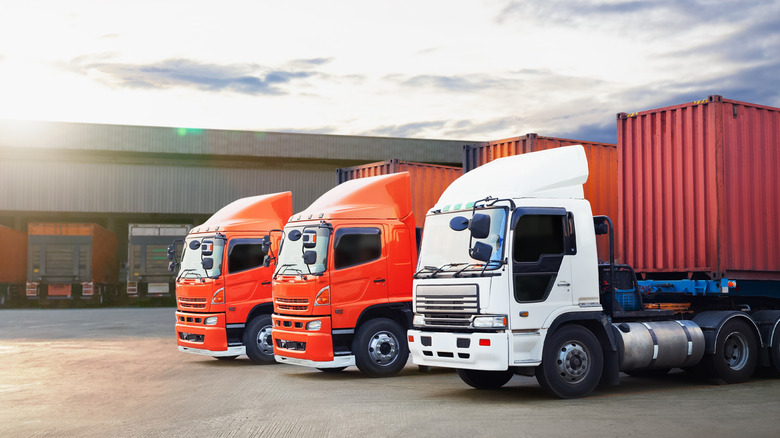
{"x":218,"y":297}
{"x":411,"y":338}
{"x":484,"y":342}
{"x":323,"y":297}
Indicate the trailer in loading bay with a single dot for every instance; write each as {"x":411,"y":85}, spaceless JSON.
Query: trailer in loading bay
{"x":509,"y":281}
{"x":147,"y":260}
{"x":13,"y":266}
{"x":71,"y":261}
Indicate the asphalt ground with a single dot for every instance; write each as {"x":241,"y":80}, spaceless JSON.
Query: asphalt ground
{"x":117,"y":372}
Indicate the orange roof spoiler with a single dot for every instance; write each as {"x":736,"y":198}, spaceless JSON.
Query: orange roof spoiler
{"x":254,"y":213}
{"x":376,"y":197}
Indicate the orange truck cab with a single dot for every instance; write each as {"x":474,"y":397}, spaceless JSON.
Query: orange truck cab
{"x":223,"y":290}
{"x":343,"y":282}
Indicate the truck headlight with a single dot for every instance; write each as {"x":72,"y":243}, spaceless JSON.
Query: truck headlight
{"x":497,"y":322}
{"x":314,"y":325}
{"x":418,"y":319}
{"x":211,"y":320}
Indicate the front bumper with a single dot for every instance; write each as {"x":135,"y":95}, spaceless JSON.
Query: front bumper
{"x":231,"y":351}
{"x":460,"y":350}
{"x":306,"y":347}
{"x":193,"y":336}
{"x":338,"y":362}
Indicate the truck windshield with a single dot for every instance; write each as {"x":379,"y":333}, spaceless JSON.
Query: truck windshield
{"x":191,"y":266}
{"x":445,"y":252}
{"x":292,"y":250}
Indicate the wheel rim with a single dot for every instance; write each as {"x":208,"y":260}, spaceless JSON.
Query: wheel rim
{"x":736,"y":351}
{"x":383,"y":348}
{"x":573,"y":362}
{"x":264,"y":340}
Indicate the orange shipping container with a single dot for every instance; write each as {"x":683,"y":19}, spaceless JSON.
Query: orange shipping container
{"x":428,"y":181}
{"x":60,"y":253}
{"x":700,"y":191}
{"x":14,"y":261}
{"x":600,"y":189}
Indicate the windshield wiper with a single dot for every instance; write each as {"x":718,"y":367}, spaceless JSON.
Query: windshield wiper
{"x":283,"y":268}
{"x":479,"y":265}
{"x":193,"y":270}
{"x":424,"y":269}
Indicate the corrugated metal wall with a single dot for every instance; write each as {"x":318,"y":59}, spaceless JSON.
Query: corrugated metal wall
{"x":122,"y":188}
{"x":699,"y":190}
{"x":143,"y":139}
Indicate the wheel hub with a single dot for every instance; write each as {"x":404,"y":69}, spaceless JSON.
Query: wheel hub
{"x":265,"y":341}
{"x":383,"y":348}
{"x":573,"y":362}
{"x":735,"y":350}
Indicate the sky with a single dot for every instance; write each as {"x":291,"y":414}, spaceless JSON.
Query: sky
{"x":453,"y":69}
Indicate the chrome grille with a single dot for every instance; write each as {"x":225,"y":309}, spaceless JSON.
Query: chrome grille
{"x":447,"y":305}
{"x":192,"y":303}
{"x":295,"y":304}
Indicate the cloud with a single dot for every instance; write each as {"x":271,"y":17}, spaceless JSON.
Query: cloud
{"x":408,"y":130}
{"x":239,"y":78}
{"x":453,"y":83}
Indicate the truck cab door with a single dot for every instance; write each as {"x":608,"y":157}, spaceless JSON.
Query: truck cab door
{"x":541,"y":267}
{"x":246,"y":280}
{"x":358,"y":274}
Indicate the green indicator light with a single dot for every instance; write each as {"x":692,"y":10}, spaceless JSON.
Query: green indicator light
{"x":470,"y":205}
{"x":446,"y":208}
{"x":456,"y":207}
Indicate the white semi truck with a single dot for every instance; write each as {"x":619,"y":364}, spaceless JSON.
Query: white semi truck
{"x":509,"y":282}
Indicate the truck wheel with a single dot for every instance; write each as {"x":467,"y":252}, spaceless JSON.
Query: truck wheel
{"x":258,"y":342}
{"x":774,"y":354}
{"x":736,"y":353}
{"x":571,"y":363}
{"x":380,"y":348}
{"x":485,"y":379}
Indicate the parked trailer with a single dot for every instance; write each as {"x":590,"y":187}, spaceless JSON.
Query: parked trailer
{"x":71,"y":261}
{"x":223,"y":289}
{"x":13,"y":269}
{"x":600,"y":189}
{"x":433,"y":178}
{"x":147,"y":260}
{"x":510,"y":283}
{"x":702,"y":179}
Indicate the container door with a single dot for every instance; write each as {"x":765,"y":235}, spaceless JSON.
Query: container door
{"x":246,"y":280}
{"x":358,"y":273}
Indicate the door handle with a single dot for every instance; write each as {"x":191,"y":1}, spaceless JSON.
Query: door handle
{"x":564,"y":283}
{"x":265,"y":283}
{"x":379,"y":280}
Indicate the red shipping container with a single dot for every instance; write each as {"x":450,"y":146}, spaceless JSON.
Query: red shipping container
{"x":600,"y":189}
{"x":428,"y":181}
{"x":13,"y":268}
{"x":699,"y":190}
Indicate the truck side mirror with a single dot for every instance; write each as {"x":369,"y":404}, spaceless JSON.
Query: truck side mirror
{"x":601,"y":228}
{"x":171,"y":252}
{"x":294,"y":235}
{"x":481,"y":251}
{"x":172,"y":266}
{"x":207,"y":263}
{"x":194,"y":244}
{"x":479,"y":225}
{"x":266,"y":261}
{"x":309,"y":257}
{"x":266,"y":245}
{"x":459,"y":223}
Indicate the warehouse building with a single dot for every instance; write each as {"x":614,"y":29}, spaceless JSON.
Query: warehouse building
{"x":116,"y":175}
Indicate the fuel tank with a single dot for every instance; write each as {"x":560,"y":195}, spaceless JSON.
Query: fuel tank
{"x":658,"y":344}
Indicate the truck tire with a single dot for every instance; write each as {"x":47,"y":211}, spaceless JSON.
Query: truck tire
{"x":736,"y":353}
{"x":380,"y":348}
{"x":258,"y":342}
{"x":485,"y":379}
{"x":572,"y":362}
{"x":774,"y":354}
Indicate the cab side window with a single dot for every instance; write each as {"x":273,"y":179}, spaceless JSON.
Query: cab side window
{"x":245,"y":254}
{"x":355,"y":246}
{"x":539,"y":246}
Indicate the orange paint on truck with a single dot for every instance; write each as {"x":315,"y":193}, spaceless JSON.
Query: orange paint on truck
{"x":225,"y":311}
{"x":352,"y":304}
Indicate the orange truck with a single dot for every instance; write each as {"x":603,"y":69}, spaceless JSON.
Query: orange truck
{"x":71,"y":261}
{"x":12,"y":268}
{"x":223,"y":290}
{"x":343,"y":282}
